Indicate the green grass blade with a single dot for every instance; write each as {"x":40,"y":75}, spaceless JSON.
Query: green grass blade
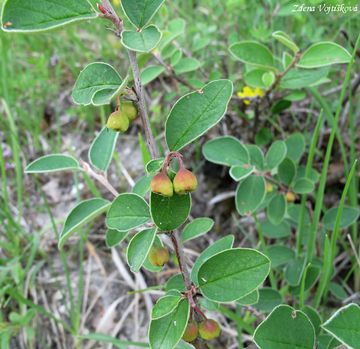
{"x":321,"y":190}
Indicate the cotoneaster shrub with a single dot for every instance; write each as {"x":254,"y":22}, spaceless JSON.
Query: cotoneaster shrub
{"x":271,"y":180}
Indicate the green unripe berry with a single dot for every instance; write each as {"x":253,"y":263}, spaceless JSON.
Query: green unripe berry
{"x":162,"y":185}
{"x":129,"y":109}
{"x":118,"y":122}
{"x":185,"y":182}
{"x":209,"y":329}
{"x":158,"y":256}
{"x":191,"y":332}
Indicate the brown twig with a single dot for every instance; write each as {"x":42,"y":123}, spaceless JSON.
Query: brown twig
{"x":179,"y":250}
{"x":99,"y":177}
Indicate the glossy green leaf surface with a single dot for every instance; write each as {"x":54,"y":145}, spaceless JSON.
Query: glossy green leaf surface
{"x":164,"y":306}
{"x":275,"y":155}
{"x":287,"y":171}
{"x":167,"y":331}
{"x":273,"y":231}
{"x":285,"y":328}
{"x":128,"y":211}
{"x":81,"y":214}
{"x":222,"y":280}
{"x":323,"y":54}
{"x":250,"y":299}
{"x":102,"y":149}
{"x":197,"y":112}
{"x":39,"y":15}
{"x":277,"y":209}
{"x":186,"y":65}
{"x":53,"y":163}
{"x":141,"y":41}
{"x":349,"y":216}
{"x":168,"y":213}
{"x":220,"y":245}
{"x":254,"y":53}
{"x":151,"y":73}
{"x":97,"y":84}
{"x":238,"y":173}
{"x":344,"y":325}
{"x":303,"y":186}
{"x":114,"y":238}
{"x":295,"y":146}
{"x":196,"y":228}
{"x":268,"y":300}
{"x":280,"y":255}
{"x":140,"y":12}
{"x":226,"y":150}
{"x":285,"y":40}
{"x":139,"y":247}
{"x":250,"y":194}
{"x":294,"y":271}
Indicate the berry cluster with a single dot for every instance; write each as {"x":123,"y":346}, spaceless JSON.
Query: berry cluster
{"x":183,"y":183}
{"x":121,"y":118}
{"x":208,"y":330}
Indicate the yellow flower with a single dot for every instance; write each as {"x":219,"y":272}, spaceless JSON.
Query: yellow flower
{"x":249,"y":93}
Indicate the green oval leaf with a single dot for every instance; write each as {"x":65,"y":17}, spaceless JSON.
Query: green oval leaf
{"x":224,"y":243}
{"x":151,"y":73}
{"x":322,"y":54}
{"x":238,"y":173}
{"x":295,"y":146}
{"x":303,"y":186}
{"x":222,"y":280}
{"x":97,"y":84}
{"x":197,"y":112}
{"x":273,"y":231}
{"x":300,"y":78}
{"x":276,"y":154}
{"x":287,"y":171}
{"x":256,"y":156}
{"x":164,"y":306}
{"x":294,"y":271}
{"x":348,"y":217}
{"x":314,"y":317}
{"x":114,"y":237}
{"x":344,"y":325}
{"x":141,"y":41}
{"x":268,"y":300}
{"x":277,"y":209}
{"x":285,"y":40}
{"x":250,"y":194}
{"x":280,"y":255}
{"x":82,"y":213}
{"x":285,"y":328}
{"x":226,"y":151}
{"x":254,"y":53}
{"x":40,"y":15}
{"x":254,"y":78}
{"x":167,"y":331}
{"x":186,"y":65}
{"x":139,"y":247}
{"x":140,"y":12}
{"x":53,"y":163}
{"x":102,"y":149}
{"x":168,"y":213}
{"x":128,"y":211}
{"x":250,"y":299}
{"x":196,"y":228}
{"x":175,"y":283}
